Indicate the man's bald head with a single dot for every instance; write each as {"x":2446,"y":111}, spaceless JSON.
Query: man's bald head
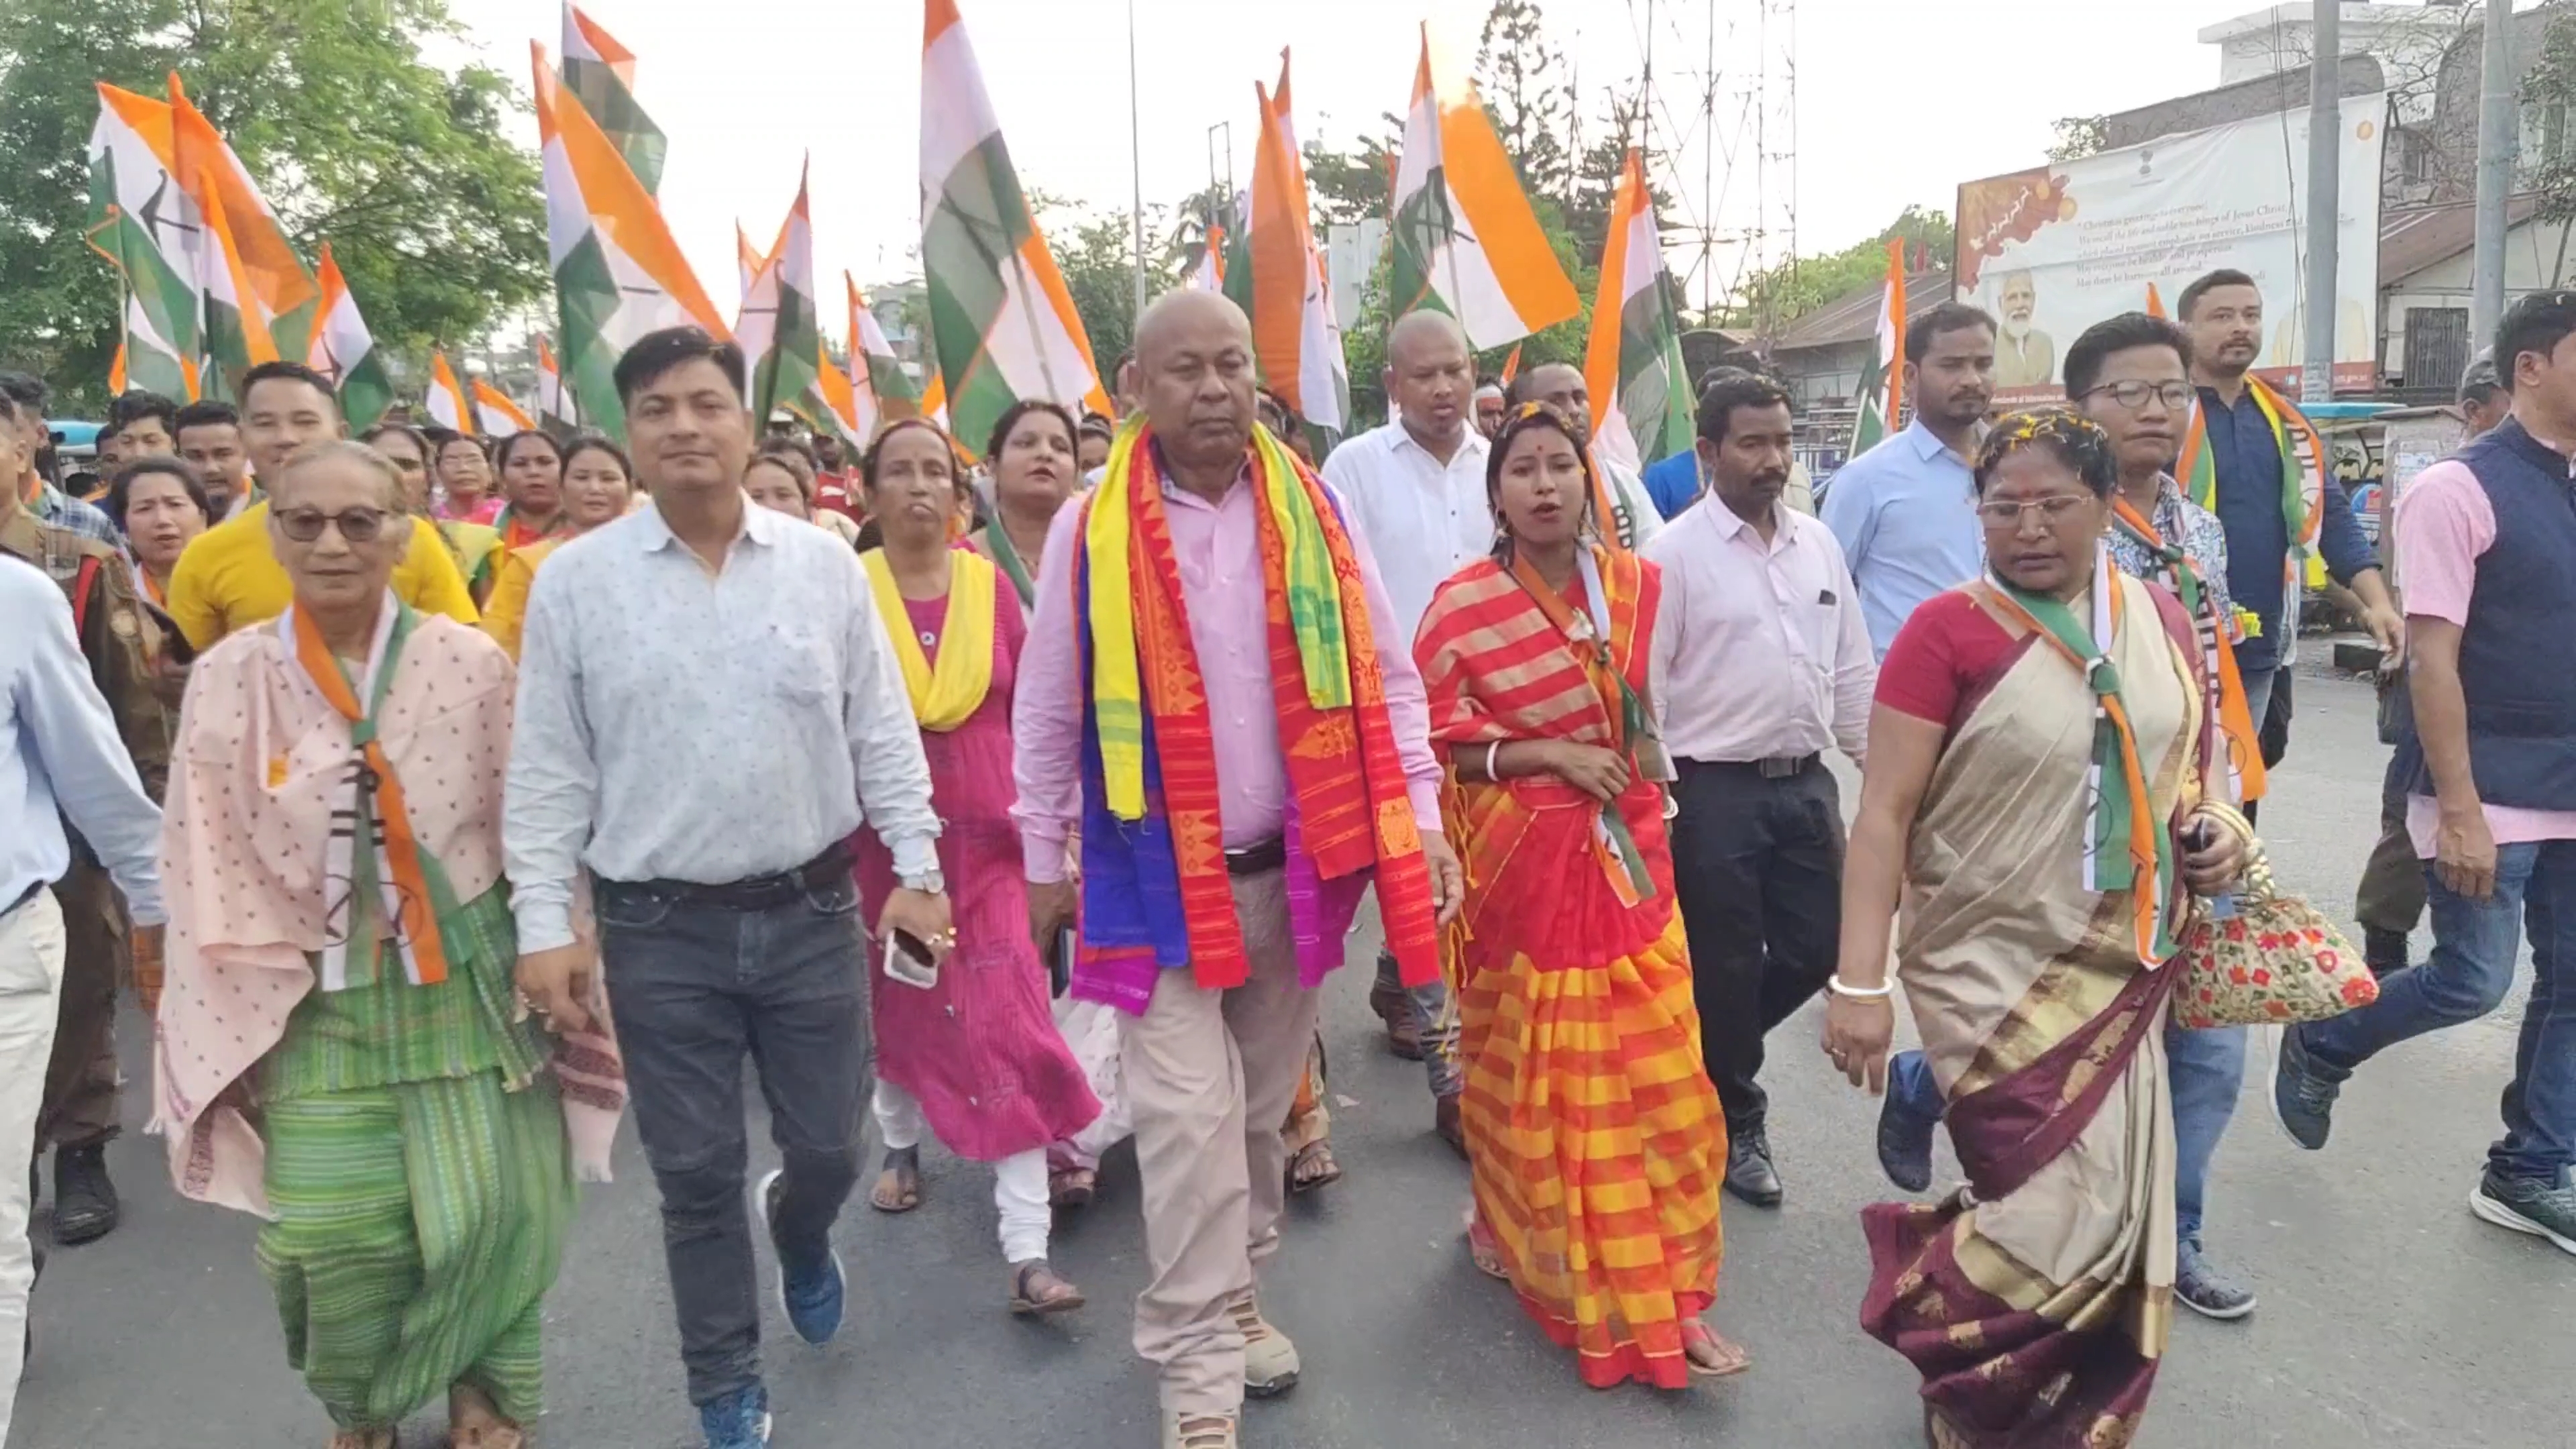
{"x":1560,"y":385}
{"x":1194,"y":375}
{"x":1430,"y":375}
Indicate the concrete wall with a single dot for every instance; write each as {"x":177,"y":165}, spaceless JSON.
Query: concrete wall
{"x":1818,"y":376}
{"x":2531,"y":262}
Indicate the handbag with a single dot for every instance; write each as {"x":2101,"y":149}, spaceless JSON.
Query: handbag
{"x":2277,"y":960}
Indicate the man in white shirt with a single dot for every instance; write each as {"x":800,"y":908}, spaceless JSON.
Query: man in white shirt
{"x":708,"y":709}
{"x":1416,"y":493}
{"x":1561,"y":386}
{"x":1761,"y":663}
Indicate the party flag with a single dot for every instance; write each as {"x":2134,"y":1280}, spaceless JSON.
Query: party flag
{"x":259,"y":300}
{"x":1209,"y":274}
{"x":1882,"y":378}
{"x":145,"y":224}
{"x":1640,"y":387}
{"x":1294,"y":333}
{"x":344,"y":351}
{"x":601,"y":74}
{"x":782,"y":341}
{"x":2155,"y":302}
{"x":555,"y":406}
{"x":447,"y":402}
{"x":495,"y":416}
{"x":1466,"y":241}
{"x":1002,"y":323}
{"x":618,"y":274}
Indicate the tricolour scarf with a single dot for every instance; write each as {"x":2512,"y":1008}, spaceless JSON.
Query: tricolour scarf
{"x":997,"y":542}
{"x":948,"y":695}
{"x":370,"y":794}
{"x":1154,"y":870}
{"x":2123,"y":838}
{"x":2303,"y":457}
{"x":2234,"y":716}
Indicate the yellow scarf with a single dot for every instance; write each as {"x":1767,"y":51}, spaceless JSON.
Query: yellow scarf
{"x":945,"y":697}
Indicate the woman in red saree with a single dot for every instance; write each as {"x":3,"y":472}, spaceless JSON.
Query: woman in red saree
{"x":1595,"y":1138}
{"x":2036,"y":762}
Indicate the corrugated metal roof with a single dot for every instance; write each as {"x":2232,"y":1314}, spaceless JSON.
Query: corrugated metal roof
{"x":1853,"y":316}
{"x":2418,"y":237}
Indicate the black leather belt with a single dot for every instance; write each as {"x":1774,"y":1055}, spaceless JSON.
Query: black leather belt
{"x":1778,"y":768}
{"x":753,"y":893}
{"x":1271,"y":854}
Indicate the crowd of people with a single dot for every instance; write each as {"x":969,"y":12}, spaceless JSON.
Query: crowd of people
{"x":441,"y":801}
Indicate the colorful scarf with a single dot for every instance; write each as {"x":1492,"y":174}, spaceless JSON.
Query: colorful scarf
{"x":1154,"y":870}
{"x":946,"y":696}
{"x":2123,"y":837}
{"x":2234,"y":716}
{"x":2303,"y":458}
{"x":998,"y":544}
{"x":372,"y":794}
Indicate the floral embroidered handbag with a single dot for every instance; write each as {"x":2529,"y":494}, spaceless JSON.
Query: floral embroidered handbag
{"x":2277,"y":960}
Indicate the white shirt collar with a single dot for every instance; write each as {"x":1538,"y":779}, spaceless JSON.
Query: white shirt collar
{"x":760,"y":525}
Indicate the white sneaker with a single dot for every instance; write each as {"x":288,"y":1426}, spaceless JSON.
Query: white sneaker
{"x":1269,"y":1360}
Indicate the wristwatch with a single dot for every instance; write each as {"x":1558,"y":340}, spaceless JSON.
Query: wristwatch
{"x":929,"y":882}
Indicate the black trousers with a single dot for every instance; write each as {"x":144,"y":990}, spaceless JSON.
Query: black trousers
{"x":1758,"y":869}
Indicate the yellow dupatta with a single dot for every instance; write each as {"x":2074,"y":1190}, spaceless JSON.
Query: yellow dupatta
{"x":945,"y":697}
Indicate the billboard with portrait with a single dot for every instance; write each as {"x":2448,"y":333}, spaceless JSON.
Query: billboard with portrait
{"x":2053,"y":250}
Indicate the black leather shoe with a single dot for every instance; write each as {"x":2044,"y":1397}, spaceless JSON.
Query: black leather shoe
{"x":2384,"y":952}
{"x":1749,"y":1174}
{"x":85,"y":1207}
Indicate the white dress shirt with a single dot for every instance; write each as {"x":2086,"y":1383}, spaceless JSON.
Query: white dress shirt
{"x":1424,"y":520}
{"x":678,"y":725}
{"x":1638,"y":521}
{"x":1761,"y":651}
{"x":60,"y":755}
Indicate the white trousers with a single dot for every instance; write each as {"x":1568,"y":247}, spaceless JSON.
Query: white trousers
{"x":1019,"y":1180}
{"x":31,"y":988}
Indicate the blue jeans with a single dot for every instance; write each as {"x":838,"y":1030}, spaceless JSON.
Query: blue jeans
{"x":1437,"y":1011}
{"x":2206,"y":1069}
{"x":2468,"y":974}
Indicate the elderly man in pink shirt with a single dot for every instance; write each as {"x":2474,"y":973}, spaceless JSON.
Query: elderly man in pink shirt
{"x":1210,"y":1071}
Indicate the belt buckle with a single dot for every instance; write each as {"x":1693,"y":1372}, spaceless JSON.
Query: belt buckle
{"x":1778,"y":768}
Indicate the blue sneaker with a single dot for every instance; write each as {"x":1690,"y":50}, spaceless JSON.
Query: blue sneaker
{"x":2303,"y":1095}
{"x":739,"y":1420}
{"x":1904,"y":1143}
{"x":810,"y":1296}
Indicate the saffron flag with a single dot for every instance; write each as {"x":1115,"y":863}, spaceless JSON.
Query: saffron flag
{"x":748,"y":259}
{"x":344,"y":351}
{"x":618,"y":274}
{"x":600,"y":73}
{"x":781,"y":337}
{"x":1465,"y":239}
{"x":1294,"y":333}
{"x":1002,"y":324}
{"x":1209,"y":274}
{"x":143,"y":223}
{"x":495,"y":416}
{"x":446,"y":402}
{"x":2155,"y":302}
{"x":1882,"y":378}
{"x":1640,"y":387}
{"x":259,"y":300}
{"x":555,"y":406}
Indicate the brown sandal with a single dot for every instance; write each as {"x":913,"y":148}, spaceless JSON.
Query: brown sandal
{"x":1701,"y":1344}
{"x":898,"y":1188}
{"x":1072,"y":1187}
{"x":1312,"y":1166}
{"x":1037,"y":1290}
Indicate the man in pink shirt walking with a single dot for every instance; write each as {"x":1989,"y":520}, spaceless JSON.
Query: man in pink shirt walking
{"x":2487,"y":543}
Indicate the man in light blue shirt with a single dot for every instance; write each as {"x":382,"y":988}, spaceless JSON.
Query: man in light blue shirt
{"x":60,"y":754}
{"x":1906,"y":510}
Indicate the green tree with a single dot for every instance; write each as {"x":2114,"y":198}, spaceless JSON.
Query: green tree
{"x":1788,"y":290}
{"x":1097,"y":254}
{"x":436,"y":216}
{"x":2078,"y":137}
{"x":1516,"y":71}
{"x":1343,"y":187}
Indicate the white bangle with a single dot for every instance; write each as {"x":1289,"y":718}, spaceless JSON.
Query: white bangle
{"x":1835,"y":985}
{"x":1489,"y":760}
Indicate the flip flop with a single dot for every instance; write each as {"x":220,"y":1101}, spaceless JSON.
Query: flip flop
{"x":898,"y":1185}
{"x":1033,"y":1305}
{"x":1696,"y":1334}
{"x":1312,"y":1166}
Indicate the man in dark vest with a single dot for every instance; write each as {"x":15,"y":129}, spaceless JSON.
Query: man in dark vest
{"x":2486,"y":542}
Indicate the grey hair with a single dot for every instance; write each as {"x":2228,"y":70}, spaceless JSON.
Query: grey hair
{"x":348,"y":450}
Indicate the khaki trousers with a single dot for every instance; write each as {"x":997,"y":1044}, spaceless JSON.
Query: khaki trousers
{"x":1210,"y":1075}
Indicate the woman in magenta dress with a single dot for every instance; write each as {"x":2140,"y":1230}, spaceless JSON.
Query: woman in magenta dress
{"x":974,"y":1058}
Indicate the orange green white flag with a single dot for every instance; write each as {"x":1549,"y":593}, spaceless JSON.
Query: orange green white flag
{"x":1882,"y":378}
{"x":601,"y":73}
{"x":495,"y":415}
{"x":1295,"y":336}
{"x":1465,"y":240}
{"x":344,"y":351}
{"x":780,"y":333}
{"x":259,"y":300}
{"x":555,"y":407}
{"x":447,"y":404}
{"x":1002,"y":322}
{"x":1640,"y":387}
{"x":145,"y":225}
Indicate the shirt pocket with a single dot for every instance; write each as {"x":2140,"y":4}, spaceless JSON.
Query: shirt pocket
{"x":796,"y":662}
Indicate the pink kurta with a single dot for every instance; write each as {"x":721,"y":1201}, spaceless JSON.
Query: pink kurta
{"x":980,"y":1050}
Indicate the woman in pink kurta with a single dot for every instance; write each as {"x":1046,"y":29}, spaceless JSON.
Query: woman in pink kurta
{"x":975,"y":1057}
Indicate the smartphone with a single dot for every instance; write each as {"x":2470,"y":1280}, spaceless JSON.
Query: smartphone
{"x":1060,"y":960}
{"x":908,"y":960}
{"x":2200,"y":835}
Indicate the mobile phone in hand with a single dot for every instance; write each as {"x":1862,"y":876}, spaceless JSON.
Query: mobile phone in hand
{"x":908,"y":960}
{"x":1060,"y":960}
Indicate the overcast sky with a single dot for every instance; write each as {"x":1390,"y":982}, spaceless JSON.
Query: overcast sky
{"x":1896,"y":102}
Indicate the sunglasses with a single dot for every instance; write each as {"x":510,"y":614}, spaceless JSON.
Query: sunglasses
{"x":356,"y":525}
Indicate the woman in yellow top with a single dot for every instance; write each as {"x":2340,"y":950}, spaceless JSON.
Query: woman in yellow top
{"x":474,"y":546}
{"x":598,"y":485}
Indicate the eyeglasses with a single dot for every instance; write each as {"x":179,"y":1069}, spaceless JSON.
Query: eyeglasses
{"x":356,"y":525}
{"x":2055,"y":511}
{"x":2133,"y":394}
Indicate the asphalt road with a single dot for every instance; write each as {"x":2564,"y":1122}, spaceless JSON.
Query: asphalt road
{"x":2389,"y":1316}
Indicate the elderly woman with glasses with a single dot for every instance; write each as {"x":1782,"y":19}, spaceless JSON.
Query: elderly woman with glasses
{"x":2038,"y":757}
{"x":340,"y":1048}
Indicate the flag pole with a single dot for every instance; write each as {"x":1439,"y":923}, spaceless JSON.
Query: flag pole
{"x":1135,"y":163}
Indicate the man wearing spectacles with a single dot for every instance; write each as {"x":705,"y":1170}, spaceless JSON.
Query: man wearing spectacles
{"x":230,"y":579}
